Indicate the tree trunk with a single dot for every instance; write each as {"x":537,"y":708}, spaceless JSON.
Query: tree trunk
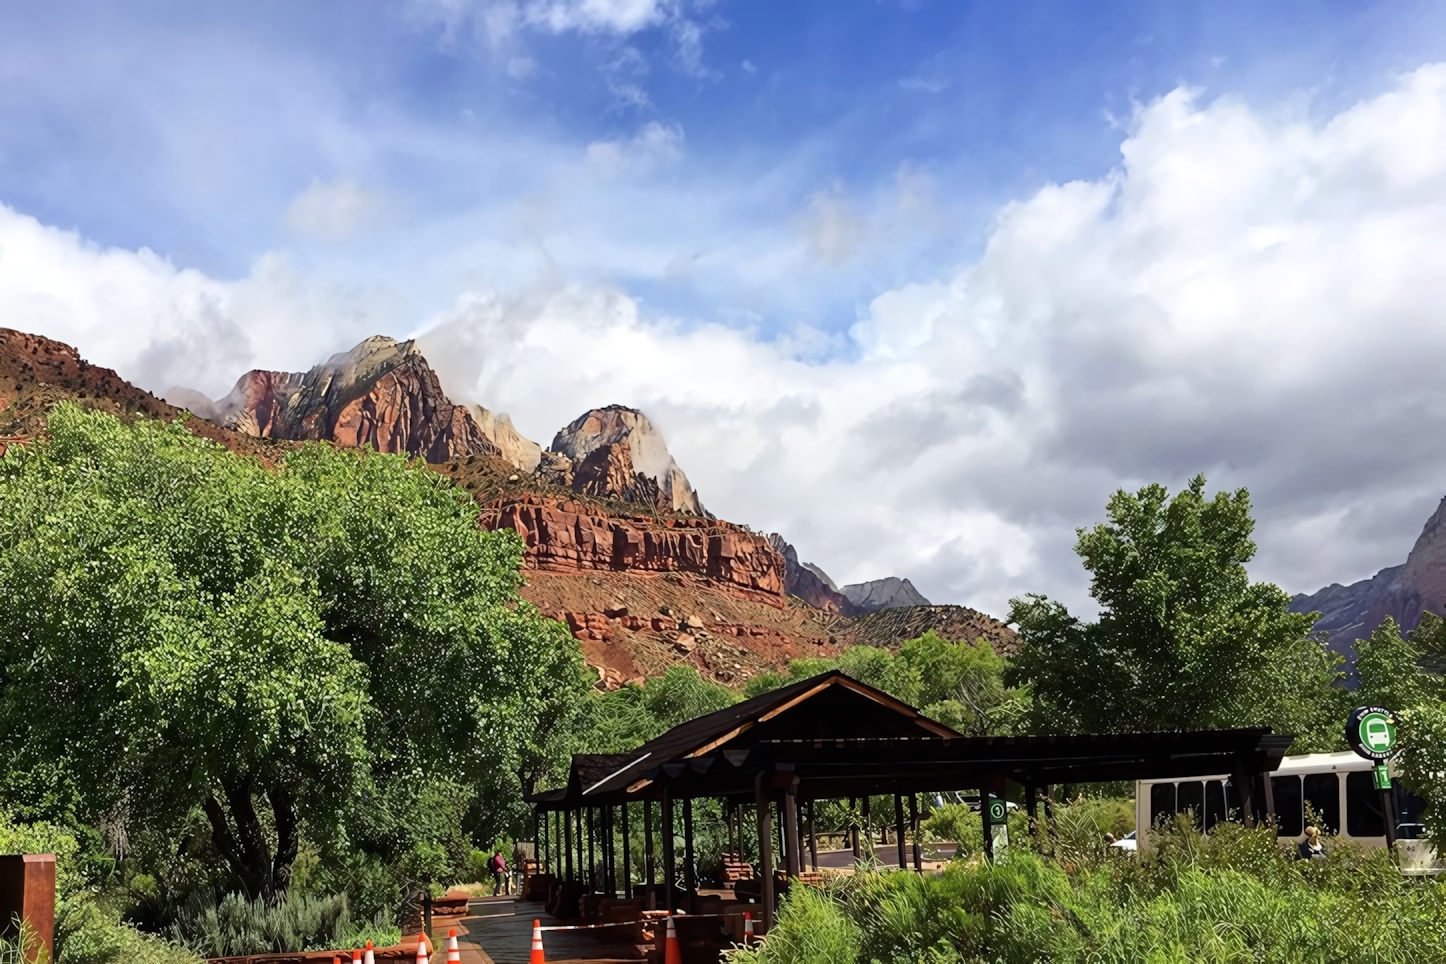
{"x":237,"y":833}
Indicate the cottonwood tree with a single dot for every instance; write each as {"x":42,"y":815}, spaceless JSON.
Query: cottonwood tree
{"x":276,"y":646}
{"x":1184,"y":639}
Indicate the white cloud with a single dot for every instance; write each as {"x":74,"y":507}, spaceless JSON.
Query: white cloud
{"x":654,"y":144}
{"x":1255,"y":297}
{"x":1252,"y":295}
{"x":333,"y":210}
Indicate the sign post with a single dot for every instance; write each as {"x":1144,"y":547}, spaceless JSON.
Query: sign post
{"x":1371,"y":732}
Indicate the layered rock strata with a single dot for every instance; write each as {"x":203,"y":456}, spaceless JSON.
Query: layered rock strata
{"x":567,"y":537}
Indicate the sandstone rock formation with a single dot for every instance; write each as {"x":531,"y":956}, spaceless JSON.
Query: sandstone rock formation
{"x":522,"y":452}
{"x":1403,"y":592}
{"x":616,"y":453}
{"x":807,"y":581}
{"x":890,"y":592}
{"x":569,"y":537}
{"x":382,"y":393}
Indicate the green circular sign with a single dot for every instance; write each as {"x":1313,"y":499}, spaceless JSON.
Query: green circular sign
{"x":1371,"y":732}
{"x":996,"y":811}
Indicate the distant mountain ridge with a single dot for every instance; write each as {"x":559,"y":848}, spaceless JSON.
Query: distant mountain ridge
{"x":811,"y":584}
{"x":1403,"y":592}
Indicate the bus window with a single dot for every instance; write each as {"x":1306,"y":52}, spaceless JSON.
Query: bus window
{"x":1363,"y":806}
{"x":1162,"y":802}
{"x":1214,"y":803}
{"x":1191,"y":798}
{"x":1409,"y":811}
{"x":1287,"y":805}
{"x":1323,"y":793}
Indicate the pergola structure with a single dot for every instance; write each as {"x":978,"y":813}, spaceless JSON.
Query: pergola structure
{"x":831,"y":737}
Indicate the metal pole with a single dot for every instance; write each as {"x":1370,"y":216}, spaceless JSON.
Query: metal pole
{"x":765,"y":847}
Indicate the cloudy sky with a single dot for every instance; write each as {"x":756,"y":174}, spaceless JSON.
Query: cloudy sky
{"x":917,"y":283}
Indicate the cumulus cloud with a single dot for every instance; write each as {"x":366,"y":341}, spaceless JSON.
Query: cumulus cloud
{"x":1253,"y":296}
{"x":156,"y":324}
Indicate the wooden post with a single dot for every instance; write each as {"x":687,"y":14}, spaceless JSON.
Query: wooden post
{"x":899,"y":827}
{"x":914,"y":829}
{"x":567,"y":848}
{"x":790,"y":828}
{"x":670,"y":869}
{"x":689,"y":883}
{"x":27,"y":893}
{"x":854,"y":826}
{"x":812,"y":838}
{"x":627,"y":857}
{"x":650,"y":856}
{"x":765,"y":847}
{"x":984,"y":819}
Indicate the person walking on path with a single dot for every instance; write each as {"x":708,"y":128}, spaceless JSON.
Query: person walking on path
{"x":498,"y":866}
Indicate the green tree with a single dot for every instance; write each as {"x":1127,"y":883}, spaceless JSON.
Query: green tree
{"x":1405,"y":675}
{"x":276,"y":647}
{"x":1184,"y":639}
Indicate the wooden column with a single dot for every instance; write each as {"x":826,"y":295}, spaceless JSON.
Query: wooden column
{"x":854,"y":826}
{"x":988,"y":825}
{"x":670,"y":869}
{"x":627,"y":857}
{"x":812,"y":838}
{"x":567,"y":848}
{"x":689,"y":883}
{"x":899,"y":828}
{"x":765,"y":846}
{"x":650,"y":857}
{"x":914,"y":829}
{"x":790,"y":827}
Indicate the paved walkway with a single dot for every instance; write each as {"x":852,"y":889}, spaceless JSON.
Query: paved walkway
{"x":500,"y":932}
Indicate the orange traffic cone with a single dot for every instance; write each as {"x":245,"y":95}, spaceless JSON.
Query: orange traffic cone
{"x":747,"y":927}
{"x":421,"y":949}
{"x":367,"y":956}
{"x":454,"y":953}
{"x":672,"y":952}
{"x":537,"y":957}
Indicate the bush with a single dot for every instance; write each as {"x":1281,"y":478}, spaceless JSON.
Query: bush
{"x":299,"y":922}
{"x":1234,"y":895}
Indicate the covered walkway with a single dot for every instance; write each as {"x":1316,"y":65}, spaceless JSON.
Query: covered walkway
{"x":831,"y":737}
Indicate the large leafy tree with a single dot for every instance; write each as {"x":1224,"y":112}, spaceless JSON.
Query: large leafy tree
{"x":1184,"y":639}
{"x":281,"y":648}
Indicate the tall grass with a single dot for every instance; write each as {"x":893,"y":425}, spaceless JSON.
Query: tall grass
{"x":1233,"y":896}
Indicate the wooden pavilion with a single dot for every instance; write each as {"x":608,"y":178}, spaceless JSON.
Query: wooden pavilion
{"x":831,"y":737}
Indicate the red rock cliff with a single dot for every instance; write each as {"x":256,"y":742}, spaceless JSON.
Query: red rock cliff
{"x":567,"y":537}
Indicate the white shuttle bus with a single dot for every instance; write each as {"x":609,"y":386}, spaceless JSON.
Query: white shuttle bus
{"x":1337,"y":786}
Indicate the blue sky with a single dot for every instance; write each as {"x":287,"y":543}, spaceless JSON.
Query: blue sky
{"x":799,"y":234}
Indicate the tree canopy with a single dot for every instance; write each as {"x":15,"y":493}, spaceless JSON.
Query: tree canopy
{"x":1184,"y":639}
{"x":189,"y":629}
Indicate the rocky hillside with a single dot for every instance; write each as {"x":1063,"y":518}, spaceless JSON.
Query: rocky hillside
{"x":1403,"y":592}
{"x":618,"y":544}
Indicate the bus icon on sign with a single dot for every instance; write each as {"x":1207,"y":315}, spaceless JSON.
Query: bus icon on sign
{"x":1378,"y":734}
